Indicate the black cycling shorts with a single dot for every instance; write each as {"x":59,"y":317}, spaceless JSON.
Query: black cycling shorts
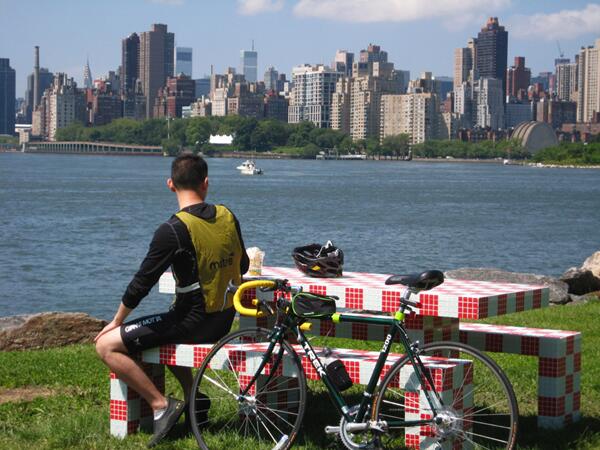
{"x":169,"y":328}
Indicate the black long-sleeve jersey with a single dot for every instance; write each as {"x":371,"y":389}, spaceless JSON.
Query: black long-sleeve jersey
{"x":172,"y":246}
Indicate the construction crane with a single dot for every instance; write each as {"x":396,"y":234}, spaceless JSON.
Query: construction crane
{"x":560,"y":52}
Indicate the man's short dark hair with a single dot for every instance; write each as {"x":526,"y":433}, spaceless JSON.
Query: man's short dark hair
{"x":188,"y":172}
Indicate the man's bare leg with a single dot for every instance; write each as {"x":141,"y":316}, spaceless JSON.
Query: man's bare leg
{"x":113,"y":352}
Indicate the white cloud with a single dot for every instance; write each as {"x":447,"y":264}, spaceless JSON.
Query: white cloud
{"x":396,"y":10}
{"x":252,"y":7}
{"x":566,"y":24}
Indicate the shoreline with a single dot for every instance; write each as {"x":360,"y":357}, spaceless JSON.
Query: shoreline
{"x":273,"y":155}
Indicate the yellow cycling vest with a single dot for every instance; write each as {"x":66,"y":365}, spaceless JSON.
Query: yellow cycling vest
{"x":218,"y":252}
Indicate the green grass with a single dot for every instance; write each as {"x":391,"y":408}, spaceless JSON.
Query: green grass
{"x":77,"y":416}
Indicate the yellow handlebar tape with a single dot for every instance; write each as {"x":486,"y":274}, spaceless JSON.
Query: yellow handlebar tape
{"x":237,"y":298}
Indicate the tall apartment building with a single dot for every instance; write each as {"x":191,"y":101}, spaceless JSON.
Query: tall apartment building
{"x":343,"y":62}
{"x":179,"y":92}
{"x":340,"y":105}
{"x":588,"y":83}
{"x":518,"y":79}
{"x":157,"y":56}
{"x":66,"y":104}
{"x":244,"y":100}
{"x":356,"y":104}
{"x":463,"y":102}
{"x":249,"y":64}
{"x":464,"y":63}
{"x":311,"y":96}
{"x":415,"y":114}
{"x":491,"y":53}
{"x":566,"y":81}
{"x":183,"y":61}
{"x":7,"y":97}
{"x":489,"y":103}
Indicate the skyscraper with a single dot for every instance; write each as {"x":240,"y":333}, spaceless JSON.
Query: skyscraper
{"x":312,"y":94}
{"x":7,"y":97}
{"x":518,"y":78}
{"x":566,"y":81}
{"x":343,"y":62}
{"x":489,"y":103}
{"x":588,"y":84}
{"x":157,"y":52}
{"x":66,"y":104}
{"x":249,"y":64}
{"x":130,"y":59}
{"x":415,"y":114}
{"x":491,"y":52}
{"x":270,"y":79}
{"x":464,"y":63}
{"x":88,"y":82}
{"x":183,"y":61}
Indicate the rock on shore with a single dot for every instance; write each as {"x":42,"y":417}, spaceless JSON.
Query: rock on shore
{"x":49,"y":329}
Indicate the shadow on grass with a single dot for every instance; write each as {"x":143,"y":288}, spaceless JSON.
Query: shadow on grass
{"x":575,"y":435}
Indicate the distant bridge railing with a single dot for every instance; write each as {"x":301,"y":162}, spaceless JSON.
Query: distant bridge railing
{"x":92,"y":148}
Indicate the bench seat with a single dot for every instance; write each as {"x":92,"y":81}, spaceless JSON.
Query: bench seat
{"x":128,"y":412}
{"x":559,"y":364}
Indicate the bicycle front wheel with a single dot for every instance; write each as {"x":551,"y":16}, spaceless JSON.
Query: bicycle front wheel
{"x":478,"y":408}
{"x":268,"y":414}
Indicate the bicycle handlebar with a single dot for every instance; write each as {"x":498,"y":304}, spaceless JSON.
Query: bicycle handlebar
{"x":237,"y":298}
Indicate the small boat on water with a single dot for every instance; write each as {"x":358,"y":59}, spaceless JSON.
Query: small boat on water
{"x":248,"y":167}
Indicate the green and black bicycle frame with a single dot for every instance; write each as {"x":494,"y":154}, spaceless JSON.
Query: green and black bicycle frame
{"x":290,"y":323}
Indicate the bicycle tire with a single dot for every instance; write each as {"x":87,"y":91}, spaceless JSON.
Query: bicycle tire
{"x":270,"y":416}
{"x":483,"y":413}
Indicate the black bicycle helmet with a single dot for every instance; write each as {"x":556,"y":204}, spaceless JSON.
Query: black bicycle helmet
{"x":322,"y":261}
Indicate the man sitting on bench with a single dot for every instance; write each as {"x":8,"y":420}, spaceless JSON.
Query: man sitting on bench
{"x":203,"y":244}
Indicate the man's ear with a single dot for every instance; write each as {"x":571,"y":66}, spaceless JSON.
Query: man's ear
{"x":171,"y":185}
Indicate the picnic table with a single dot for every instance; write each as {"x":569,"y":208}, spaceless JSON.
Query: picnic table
{"x":446,"y":312}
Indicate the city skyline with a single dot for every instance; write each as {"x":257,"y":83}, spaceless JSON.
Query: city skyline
{"x":290,"y":33}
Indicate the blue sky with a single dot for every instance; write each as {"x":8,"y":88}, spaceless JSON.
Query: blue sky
{"x":418,"y":35}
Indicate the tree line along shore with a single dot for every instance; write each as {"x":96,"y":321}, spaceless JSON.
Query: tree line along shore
{"x":304,"y":140}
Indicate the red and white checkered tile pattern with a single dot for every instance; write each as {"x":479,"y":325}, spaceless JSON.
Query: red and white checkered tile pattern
{"x":127,"y":415}
{"x":559,"y":364}
{"x":424,"y":329}
{"x":462,"y":299}
{"x":128,"y":411}
{"x":454,"y":389}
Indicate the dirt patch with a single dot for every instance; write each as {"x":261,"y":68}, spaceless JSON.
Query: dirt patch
{"x":24,"y":394}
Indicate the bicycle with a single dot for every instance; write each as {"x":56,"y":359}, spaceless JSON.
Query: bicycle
{"x":257,"y":385}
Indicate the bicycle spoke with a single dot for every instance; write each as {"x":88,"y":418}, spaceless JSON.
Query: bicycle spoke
{"x":226,"y":389}
{"x":265,"y":427}
{"x":487,"y":424}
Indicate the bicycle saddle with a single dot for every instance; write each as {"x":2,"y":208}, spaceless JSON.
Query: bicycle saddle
{"x":418,"y":281}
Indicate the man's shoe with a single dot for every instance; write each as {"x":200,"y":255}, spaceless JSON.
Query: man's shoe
{"x":163,"y":425}
{"x":202,"y":404}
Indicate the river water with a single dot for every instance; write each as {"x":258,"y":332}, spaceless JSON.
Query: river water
{"x":74,"y":228}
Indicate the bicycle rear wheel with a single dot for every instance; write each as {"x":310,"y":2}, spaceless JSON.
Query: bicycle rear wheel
{"x":269,"y":415}
{"x":478,"y":410}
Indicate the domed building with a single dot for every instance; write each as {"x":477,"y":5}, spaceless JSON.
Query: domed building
{"x":535,"y":136}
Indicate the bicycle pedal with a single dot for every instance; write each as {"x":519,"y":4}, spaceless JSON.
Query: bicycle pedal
{"x":332,"y":430}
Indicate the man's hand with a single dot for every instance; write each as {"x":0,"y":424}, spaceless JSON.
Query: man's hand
{"x":111,"y":326}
